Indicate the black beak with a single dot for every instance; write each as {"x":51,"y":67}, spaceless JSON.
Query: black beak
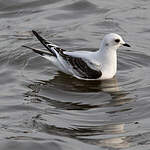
{"x":127,"y":45}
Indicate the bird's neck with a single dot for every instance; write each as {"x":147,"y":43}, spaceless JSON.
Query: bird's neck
{"x":109,"y":54}
{"x":108,"y":60}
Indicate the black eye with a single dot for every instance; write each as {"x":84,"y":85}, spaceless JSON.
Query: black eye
{"x":117,"y":40}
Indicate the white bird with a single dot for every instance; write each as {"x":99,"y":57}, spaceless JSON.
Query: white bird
{"x":98,"y":65}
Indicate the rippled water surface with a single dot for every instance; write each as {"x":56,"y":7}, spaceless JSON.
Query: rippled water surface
{"x":43,"y":109}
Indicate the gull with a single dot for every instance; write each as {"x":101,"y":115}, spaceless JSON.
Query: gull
{"x":85,"y":65}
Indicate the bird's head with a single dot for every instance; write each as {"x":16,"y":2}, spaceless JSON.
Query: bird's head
{"x":114,"y":41}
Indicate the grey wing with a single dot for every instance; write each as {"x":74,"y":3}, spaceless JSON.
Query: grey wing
{"x":81,"y":67}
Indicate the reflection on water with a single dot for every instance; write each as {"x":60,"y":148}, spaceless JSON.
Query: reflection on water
{"x":76,"y":89}
{"x":78,"y":95}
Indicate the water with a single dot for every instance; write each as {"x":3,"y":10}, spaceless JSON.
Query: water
{"x":41,"y":108}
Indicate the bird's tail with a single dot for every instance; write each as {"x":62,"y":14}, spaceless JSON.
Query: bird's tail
{"x":39,"y":51}
{"x":50,"y":46}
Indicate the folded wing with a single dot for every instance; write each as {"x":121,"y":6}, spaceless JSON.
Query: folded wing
{"x":79,"y":67}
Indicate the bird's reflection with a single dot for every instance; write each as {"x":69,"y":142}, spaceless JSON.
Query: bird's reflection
{"x":71,"y":88}
{"x":66,"y":86}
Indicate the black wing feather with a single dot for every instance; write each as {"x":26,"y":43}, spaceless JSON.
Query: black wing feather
{"x":80,"y":66}
{"x":47,"y":44}
{"x":39,"y":51}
